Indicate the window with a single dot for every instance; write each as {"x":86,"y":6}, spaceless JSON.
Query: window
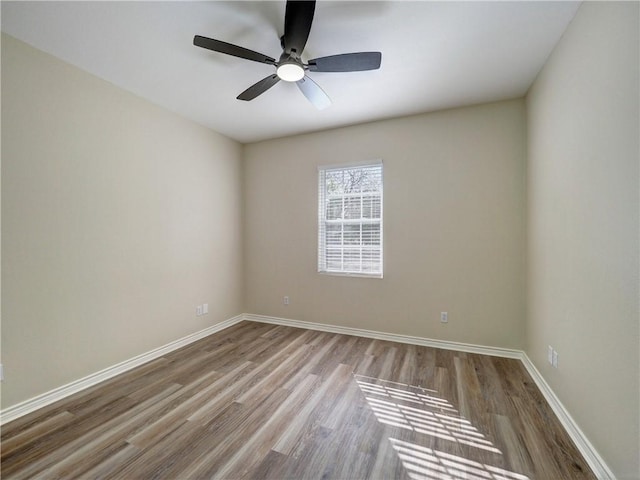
{"x":350,"y":220}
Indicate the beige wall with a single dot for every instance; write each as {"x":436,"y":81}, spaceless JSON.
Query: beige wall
{"x":118,"y":218}
{"x":583,"y":227}
{"x":453,"y":226}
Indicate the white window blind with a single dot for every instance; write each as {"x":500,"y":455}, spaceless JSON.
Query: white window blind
{"x":350,"y":220}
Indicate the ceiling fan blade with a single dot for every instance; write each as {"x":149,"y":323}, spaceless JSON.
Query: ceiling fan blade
{"x":231,"y":49}
{"x":347,"y":62}
{"x":314,"y":93}
{"x":259,"y":88}
{"x":298,"y":18}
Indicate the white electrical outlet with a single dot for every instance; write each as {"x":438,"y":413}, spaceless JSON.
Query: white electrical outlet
{"x":285,"y":300}
{"x":199,"y":310}
{"x":554,"y":360}
{"x":205,"y":308}
{"x":444,"y":317}
{"x":550,"y":354}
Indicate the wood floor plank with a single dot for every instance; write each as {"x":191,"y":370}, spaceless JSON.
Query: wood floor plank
{"x":274,"y":402}
{"x":101,"y":443}
{"x":293,"y":434}
{"x":78,"y":454}
{"x":319,"y":352}
{"x":181,"y":412}
{"x":238,"y":388}
{"x":358,"y":445}
{"x":30,"y":459}
{"x":159,"y":458}
{"x":281,"y":374}
{"x":510,"y":444}
{"x":235,"y":433}
{"x":258,"y":446}
{"x":120,"y":457}
{"x":35,"y":432}
{"x":273,"y":466}
{"x":309,"y":459}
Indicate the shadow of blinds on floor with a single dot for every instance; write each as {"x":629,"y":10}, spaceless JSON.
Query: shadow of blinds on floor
{"x":420,"y":410}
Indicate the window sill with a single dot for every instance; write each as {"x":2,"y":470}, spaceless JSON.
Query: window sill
{"x":356,"y":275}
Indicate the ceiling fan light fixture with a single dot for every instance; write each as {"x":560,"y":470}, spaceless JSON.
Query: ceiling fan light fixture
{"x":290,"y":71}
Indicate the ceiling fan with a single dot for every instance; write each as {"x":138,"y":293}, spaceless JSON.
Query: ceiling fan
{"x":290,"y":67}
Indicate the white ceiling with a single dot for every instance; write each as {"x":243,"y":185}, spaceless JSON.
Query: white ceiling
{"x":435,"y":55}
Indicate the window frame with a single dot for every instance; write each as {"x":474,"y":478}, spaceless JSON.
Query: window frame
{"x":322,"y":221}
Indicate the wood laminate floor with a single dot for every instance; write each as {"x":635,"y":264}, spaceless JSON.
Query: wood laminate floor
{"x":264,"y":401}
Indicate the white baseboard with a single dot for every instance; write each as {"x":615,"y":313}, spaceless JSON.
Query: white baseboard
{"x":590,"y":454}
{"x":595,"y":461}
{"x":392,"y":337}
{"x":32,"y":404}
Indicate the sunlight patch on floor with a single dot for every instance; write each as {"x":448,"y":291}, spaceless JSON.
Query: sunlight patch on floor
{"x":421,"y":411}
{"x":424,"y":463}
{"x":425,"y":413}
